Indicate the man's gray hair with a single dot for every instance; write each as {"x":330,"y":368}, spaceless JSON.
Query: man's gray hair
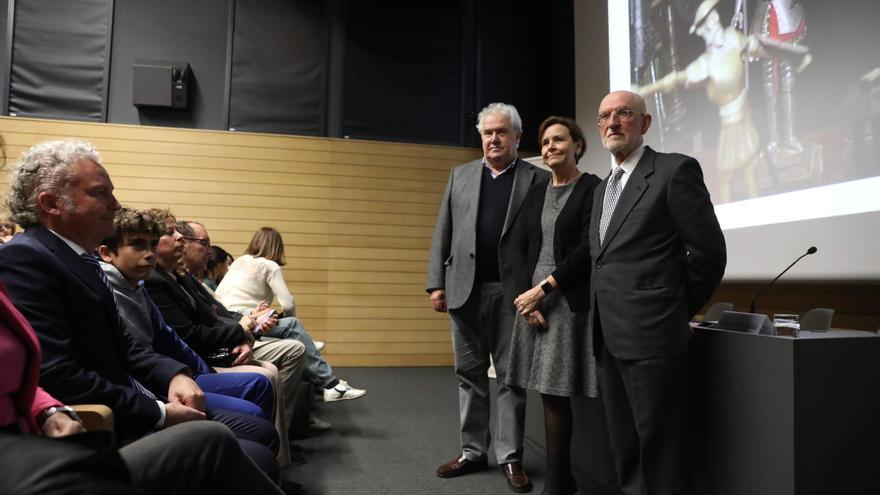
{"x":504,"y":109}
{"x":183,"y":226}
{"x":45,"y":167}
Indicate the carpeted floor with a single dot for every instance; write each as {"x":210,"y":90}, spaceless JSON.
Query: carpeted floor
{"x":391,"y":440}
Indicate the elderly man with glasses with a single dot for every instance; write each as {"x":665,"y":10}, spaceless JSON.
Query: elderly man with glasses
{"x":658,"y":254}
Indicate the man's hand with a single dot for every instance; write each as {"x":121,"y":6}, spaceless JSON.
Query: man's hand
{"x":184,"y":390}
{"x":176,"y":413}
{"x":244,"y":353}
{"x":61,"y":425}
{"x":536,"y":319}
{"x":438,"y":300}
{"x":529,"y":300}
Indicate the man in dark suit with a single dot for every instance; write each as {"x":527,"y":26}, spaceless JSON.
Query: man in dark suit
{"x":481,"y":200}
{"x":658,"y":254}
{"x":64,"y":198}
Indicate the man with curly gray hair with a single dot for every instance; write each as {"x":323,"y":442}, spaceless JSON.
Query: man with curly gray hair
{"x":64,"y":198}
{"x":46,"y":170}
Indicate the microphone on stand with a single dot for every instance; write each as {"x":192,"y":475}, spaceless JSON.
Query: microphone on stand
{"x":757,"y":294}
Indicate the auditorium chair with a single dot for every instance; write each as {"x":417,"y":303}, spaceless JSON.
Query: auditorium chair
{"x":716,"y":310}
{"x":817,"y":320}
{"x":95,"y":416}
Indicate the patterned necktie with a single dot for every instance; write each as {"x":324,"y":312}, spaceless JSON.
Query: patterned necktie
{"x":96,"y":266}
{"x":612,"y":193}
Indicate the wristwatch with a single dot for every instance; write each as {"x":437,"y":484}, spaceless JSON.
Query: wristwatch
{"x":56,"y":409}
{"x":547,"y":287}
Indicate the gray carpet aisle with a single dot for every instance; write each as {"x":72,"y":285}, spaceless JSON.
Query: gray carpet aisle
{"x":391,"y":440}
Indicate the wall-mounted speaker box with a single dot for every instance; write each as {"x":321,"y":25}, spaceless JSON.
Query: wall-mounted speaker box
{"x":160,"y":83}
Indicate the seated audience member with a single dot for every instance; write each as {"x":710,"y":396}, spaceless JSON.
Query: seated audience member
{"x":64,"y":199}
{"x":45,"y":449}
{"x":7,"y":229}
{"x":129,"y":256}
{"x":194,"y":321}
{"x":256,"y":276}
{"x":218,"y":265}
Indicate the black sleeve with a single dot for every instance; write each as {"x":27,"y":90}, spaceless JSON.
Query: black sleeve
{"x":203,"y":332}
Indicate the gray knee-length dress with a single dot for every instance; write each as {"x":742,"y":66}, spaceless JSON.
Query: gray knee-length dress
{"x":557,"y":360}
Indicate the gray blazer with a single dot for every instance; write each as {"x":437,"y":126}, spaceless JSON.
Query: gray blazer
{"x":663,"y":257}
{"x":452,"y":262}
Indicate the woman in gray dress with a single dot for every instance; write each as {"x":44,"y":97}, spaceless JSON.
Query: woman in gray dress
{"x":547,"y":253}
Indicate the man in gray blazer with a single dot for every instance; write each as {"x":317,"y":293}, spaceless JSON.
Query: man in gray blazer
{"x":658,"y":254}
{"x":481,"y":201}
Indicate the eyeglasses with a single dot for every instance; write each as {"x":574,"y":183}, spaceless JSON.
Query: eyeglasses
{"x":202,"y":241}
{"x":624,"y":114}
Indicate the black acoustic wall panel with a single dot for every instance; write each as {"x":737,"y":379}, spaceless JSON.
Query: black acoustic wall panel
{"x":5,"y":52}
{"x":59,"y":56}
{"x":403,"y":71}
{"x":279,"y":66}
{"x":193,"y":31}
{"x":526,"y":58}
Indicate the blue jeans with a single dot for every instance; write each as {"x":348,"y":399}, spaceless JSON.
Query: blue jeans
{"x":316,"y":369}
{"x":247,"y":393}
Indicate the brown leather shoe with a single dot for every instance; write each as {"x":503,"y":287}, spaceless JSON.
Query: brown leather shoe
{"x":459,"y":466}
{"x":517,"y":479}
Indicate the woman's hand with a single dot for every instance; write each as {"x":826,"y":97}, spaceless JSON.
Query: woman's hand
{"x":61,"y":425}
{"x":529,"y":300}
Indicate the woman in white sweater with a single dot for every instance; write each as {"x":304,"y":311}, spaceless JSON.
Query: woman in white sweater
{"x":256,"y":276}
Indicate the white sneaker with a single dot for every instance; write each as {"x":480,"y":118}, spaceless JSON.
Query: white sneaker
{"x":342,"y":391}
{"x":319,"y":345}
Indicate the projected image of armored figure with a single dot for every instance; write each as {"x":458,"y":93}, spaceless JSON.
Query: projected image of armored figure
{"x":722,"y":69}
{"x":782,"y":21}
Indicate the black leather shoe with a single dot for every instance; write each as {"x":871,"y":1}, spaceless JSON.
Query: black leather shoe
{"x":517,"y":479}
{"x":459,"y":466}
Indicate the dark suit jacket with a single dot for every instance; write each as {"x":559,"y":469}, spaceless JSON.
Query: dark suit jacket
{"x":571,"y":247}
{"x":192,"y":319}
{"x":452,"y":261}
{"x":87,"y":358}
{"x":663,"y":257}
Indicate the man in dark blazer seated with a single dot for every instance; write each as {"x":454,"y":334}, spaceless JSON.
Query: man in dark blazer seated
{"x":481,"y":201}
{"x":658,"y":254}
{"x":64,"y":198}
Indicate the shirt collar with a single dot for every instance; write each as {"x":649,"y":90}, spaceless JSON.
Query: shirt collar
{"x":494,"y":173}
{"x":76,"y":247}
{"x":631,"y":161}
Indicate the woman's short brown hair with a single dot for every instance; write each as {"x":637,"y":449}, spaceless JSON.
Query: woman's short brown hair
{"x":577,"y":135}
{"x":267,"y":243}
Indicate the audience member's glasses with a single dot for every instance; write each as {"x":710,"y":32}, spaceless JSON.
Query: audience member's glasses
{"x":623,"y":114}
{"x":200,"y":240}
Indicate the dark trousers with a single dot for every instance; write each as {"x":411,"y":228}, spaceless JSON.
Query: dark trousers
{"x":85,"y":463}
{"x":645,"y":408}
{"x":256,"y":436}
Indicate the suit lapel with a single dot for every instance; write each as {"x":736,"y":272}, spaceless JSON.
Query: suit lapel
{"x":84,"y":272}
{"x":71,"y":260}
{"x":596,"y":214}
{"x":470,"y":192}
{"x":636,"y":186}
{"x":522,"y":180}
